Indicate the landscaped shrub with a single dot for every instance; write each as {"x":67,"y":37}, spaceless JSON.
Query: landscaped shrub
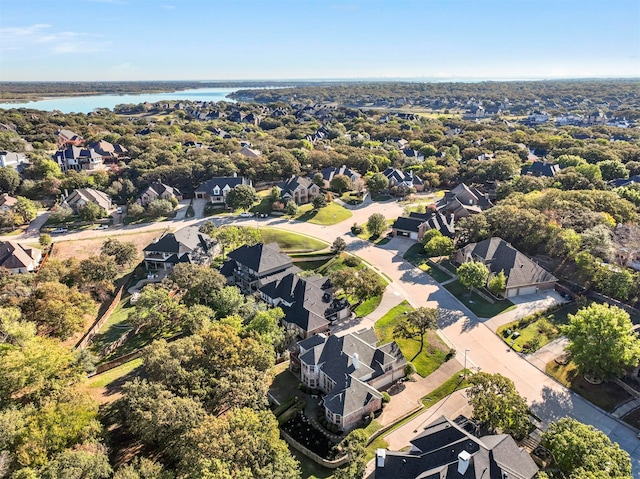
{"x":352,"y":261}
{"x":385,"y":397}
{"x":356,"y":229}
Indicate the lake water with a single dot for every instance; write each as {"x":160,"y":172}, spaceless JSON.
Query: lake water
{"x":86,"y":104}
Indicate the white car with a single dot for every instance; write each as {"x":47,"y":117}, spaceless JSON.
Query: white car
{"x":245,"y":214}
{"x":119,"y":210}
{"x":102,"y":227}
{"x":59,"y":230}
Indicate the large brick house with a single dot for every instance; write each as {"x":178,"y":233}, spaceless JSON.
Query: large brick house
{"x":349,"y":370}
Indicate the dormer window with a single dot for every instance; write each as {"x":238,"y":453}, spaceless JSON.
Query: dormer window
{"x":216,"y":190}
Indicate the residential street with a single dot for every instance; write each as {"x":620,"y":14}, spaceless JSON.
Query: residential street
{"x":459,"y":327}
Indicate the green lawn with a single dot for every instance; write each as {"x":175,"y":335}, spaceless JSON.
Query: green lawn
{"x":606,"y":395}
{"x":291,"y":242}
{"x":434,"y":350}
{"x":106,"y":378}
{"x":382,"y":239}
{"x":436,"y":273}
{"x":384,"y":326}
{"x":367,"y":307}
{"x":415,"y":255}
{"x":477,"y":304}
{"x":454,"y":383}
{"x":115,"y":326}
{"x":331,"y":214}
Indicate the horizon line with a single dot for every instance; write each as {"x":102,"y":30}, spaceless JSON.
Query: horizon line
{"x":465,"y":79}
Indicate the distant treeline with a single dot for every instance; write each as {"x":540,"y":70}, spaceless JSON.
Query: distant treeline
{"x":31,"y":90}
{"x":516,"y":96}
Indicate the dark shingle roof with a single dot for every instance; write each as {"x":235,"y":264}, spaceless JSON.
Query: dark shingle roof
{"x":232,"y":181}
{"x":435,"y":455}
{"x":261,"y":258}
{"x":499,"y":255}
{"x":407,"y":224}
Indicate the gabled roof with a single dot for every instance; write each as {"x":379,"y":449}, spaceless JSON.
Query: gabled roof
{"x":499,"y":255}
{"x":68,"y":135}
{"x":89,"y":195}
{"x":540,"y":168}
{"x":331,"y":171}
{"x":294,"y":183}
{"x":336,"y":356}
{"x":436,"y":453}
{"x":76,"y":153}
{"x":350,"y":397}
{"x":157,"y":188}
{"x":407,"y":224}
{"x":231,"y":181}
{"x":398,"y":176}
{"x":7,"y":200}
{"x":261,"y":258}
{"x":183,"y":241}
{"x":13,"y":255}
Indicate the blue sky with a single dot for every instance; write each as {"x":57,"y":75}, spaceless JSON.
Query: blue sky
{"x":312,"y":39}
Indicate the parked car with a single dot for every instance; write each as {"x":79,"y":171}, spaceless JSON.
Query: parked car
{"x":58,"y":231}
{"x":245,"y":214}
{"x":102,"y":227}
{"x":119,"y":210}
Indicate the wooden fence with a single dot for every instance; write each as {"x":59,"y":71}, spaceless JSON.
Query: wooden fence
{"x":93,"y":330}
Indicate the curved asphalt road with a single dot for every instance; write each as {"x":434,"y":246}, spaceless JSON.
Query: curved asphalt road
{"x":548,"y":399}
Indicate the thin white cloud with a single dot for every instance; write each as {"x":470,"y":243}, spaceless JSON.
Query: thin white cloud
{"x":41,"y":36}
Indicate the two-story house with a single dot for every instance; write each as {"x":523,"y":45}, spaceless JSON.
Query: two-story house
{"x":68,"y":138}
{"x":7,"y":203}
{"x":331,"y":171}
{"x":298,"y":189}
{"x":400,"y":178}
{"x":308,"y":302}
{"x":463,"y":201}
{"x":215,"y":190}
{"x":79,"y":159}
{"x":349,"y":370}
{"x":187,"y":245}
{"x":251,"y":267}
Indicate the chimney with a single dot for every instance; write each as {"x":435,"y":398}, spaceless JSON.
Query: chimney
{"x":356,"y":361}
{"x":380,"y":456}
{"x":463,"y":462}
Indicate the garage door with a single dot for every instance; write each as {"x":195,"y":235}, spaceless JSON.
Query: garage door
{"x":527,"y":290}
{"x":413,"y":236}
{"x":512,"y":292}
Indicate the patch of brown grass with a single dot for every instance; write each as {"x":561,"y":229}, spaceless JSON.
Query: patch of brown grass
{"x":84,"y":248}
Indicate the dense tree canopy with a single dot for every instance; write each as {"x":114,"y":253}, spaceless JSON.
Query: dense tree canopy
{"x":601,"y":341}
{"x":581,"y":450}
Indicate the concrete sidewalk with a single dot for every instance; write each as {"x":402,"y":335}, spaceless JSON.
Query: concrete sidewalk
{"x":547,"y":353}
{"x":525,"y":306}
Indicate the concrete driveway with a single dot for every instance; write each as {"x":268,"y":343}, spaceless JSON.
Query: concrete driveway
{"x":459,"y":327}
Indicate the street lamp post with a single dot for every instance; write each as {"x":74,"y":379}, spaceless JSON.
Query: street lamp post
{"x":465,"y":363}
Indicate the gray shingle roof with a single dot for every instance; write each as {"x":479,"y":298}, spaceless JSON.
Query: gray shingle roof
{"x":261,"y":258}
{"x":232,"y":181}
{"x":435,"y":455}
{"x":499,"y":255}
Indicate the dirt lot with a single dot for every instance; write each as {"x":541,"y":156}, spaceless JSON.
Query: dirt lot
{"x":82,"y":249}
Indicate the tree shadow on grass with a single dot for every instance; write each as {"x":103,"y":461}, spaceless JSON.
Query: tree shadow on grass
{"x":115,"y":387}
